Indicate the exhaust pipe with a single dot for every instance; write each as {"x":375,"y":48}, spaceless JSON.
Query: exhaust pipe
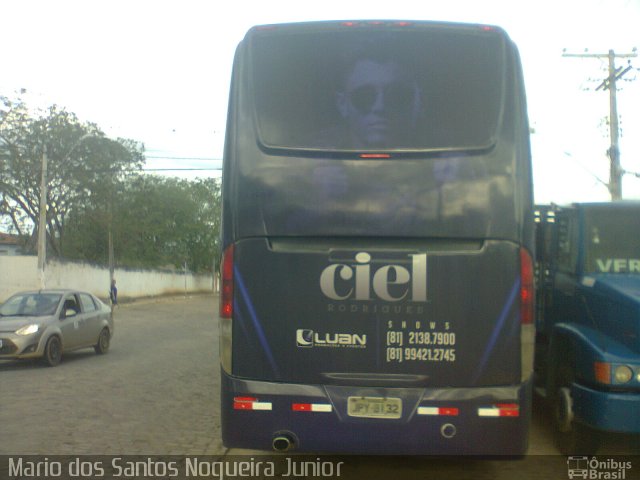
{"x":448,"y":430}
{"x":283,"y":442}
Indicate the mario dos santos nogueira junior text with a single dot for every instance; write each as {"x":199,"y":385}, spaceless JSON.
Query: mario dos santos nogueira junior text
{"x":121,"y":467}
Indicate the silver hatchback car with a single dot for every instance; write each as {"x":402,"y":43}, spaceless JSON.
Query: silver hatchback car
{"x":46,"y":323}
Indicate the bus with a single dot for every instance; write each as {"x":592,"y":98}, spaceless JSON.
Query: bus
{"x":377,"y":233}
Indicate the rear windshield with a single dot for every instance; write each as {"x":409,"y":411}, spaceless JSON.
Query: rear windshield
{"x":418,"y":89}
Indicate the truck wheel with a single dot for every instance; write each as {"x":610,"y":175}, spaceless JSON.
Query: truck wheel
{"x":573,"y":438}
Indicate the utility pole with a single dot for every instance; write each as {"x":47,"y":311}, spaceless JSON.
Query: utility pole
{"x":615,"y":170}
{"x":42,"y":225}
{"x":42,"y":214}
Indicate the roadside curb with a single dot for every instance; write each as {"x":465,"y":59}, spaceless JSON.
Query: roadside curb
{"x":128,"y":301}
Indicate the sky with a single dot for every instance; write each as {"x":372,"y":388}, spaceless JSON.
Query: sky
{"x":158,"y":72}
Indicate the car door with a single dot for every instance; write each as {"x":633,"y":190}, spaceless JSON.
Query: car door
{"x":71,"y":322}
{"x":91,"y":318}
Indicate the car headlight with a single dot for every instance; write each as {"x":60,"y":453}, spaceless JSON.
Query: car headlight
{"x":28,"y":329}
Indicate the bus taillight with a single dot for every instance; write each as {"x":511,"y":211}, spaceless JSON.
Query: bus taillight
{"x":527,"y":325}
{"x":526,"y":288}
{"x":226,"y":296}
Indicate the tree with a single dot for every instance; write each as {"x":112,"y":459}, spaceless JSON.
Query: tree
{"x":157,"y":222}
{"x":13,"y":115}
{"x":202,"y":241}
{"x":168,"y":222}
{"x":83,"y":168}
{"x":95,"y":192}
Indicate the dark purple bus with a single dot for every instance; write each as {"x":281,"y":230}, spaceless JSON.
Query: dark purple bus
{"x":377,"y":283}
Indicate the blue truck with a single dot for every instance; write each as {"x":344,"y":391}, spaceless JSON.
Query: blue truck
{"x":587,"y":359}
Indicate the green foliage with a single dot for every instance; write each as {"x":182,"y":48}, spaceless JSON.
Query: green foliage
{"x":82,"y":165}
{"x":156,"y":222}
{"x":95,"y":187}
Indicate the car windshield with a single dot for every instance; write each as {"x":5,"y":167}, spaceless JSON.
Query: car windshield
{"x":31,"y":304}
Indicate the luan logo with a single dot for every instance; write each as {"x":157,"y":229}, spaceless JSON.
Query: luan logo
{"x":309,"y":338}
{"x":391,"y":283}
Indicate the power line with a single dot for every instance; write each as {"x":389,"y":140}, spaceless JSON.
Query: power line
{"x":203,"y":159}
{"x":178,"y":169}
{"x":609,"y":83}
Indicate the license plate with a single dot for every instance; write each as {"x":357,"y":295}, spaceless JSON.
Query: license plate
{"x":374,"y":407}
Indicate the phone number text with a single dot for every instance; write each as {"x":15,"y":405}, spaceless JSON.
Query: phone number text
{"x":399,"y":355}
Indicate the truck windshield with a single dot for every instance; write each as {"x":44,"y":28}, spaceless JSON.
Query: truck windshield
{"x":612,"y":244}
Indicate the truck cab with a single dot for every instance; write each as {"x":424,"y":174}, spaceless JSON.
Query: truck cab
{"x":587,"y":359}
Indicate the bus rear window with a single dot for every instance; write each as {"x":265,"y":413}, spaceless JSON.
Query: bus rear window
{"x":368,"y":90}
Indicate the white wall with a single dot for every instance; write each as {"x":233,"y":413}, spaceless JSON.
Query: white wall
{"x":17,"y":273}
{"x":20,"y":273}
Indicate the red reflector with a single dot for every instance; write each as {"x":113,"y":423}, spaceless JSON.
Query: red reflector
{"x":250,"y":403}
{"x":312,"y":407}
{"x":451,"y":412}
{"x":526,"y":288}
{"x":243,"y":403}
{"x":375,"y":155}
{"x":504,"y":412}
{"x":509,"y":409}
{"x":500,"y":410}
{"x":245,"y":399}
{"x":443,"y":411}
{"x":226,"y":297}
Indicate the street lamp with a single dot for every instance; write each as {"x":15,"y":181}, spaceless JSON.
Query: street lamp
{"x":42,"y":224}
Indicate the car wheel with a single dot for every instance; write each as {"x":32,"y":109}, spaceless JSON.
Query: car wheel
{"x":52,"y":351}
{"x":572,"y":438}
{"x":103,"y":342}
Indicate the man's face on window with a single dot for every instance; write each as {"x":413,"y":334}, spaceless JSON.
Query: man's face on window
{"x":379,"y":103}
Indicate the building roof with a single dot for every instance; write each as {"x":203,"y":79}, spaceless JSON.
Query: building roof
{"x":8,"y":239}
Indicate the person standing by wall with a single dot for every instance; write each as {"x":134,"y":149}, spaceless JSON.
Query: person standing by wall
{"x":113,"y":295}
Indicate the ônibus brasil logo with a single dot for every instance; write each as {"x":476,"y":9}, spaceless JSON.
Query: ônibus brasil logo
{"x":391,"y":283}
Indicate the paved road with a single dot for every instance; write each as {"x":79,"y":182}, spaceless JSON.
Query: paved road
{"x":155,"y":393}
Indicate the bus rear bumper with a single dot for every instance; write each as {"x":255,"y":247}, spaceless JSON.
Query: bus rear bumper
{"x":487,"y":421}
